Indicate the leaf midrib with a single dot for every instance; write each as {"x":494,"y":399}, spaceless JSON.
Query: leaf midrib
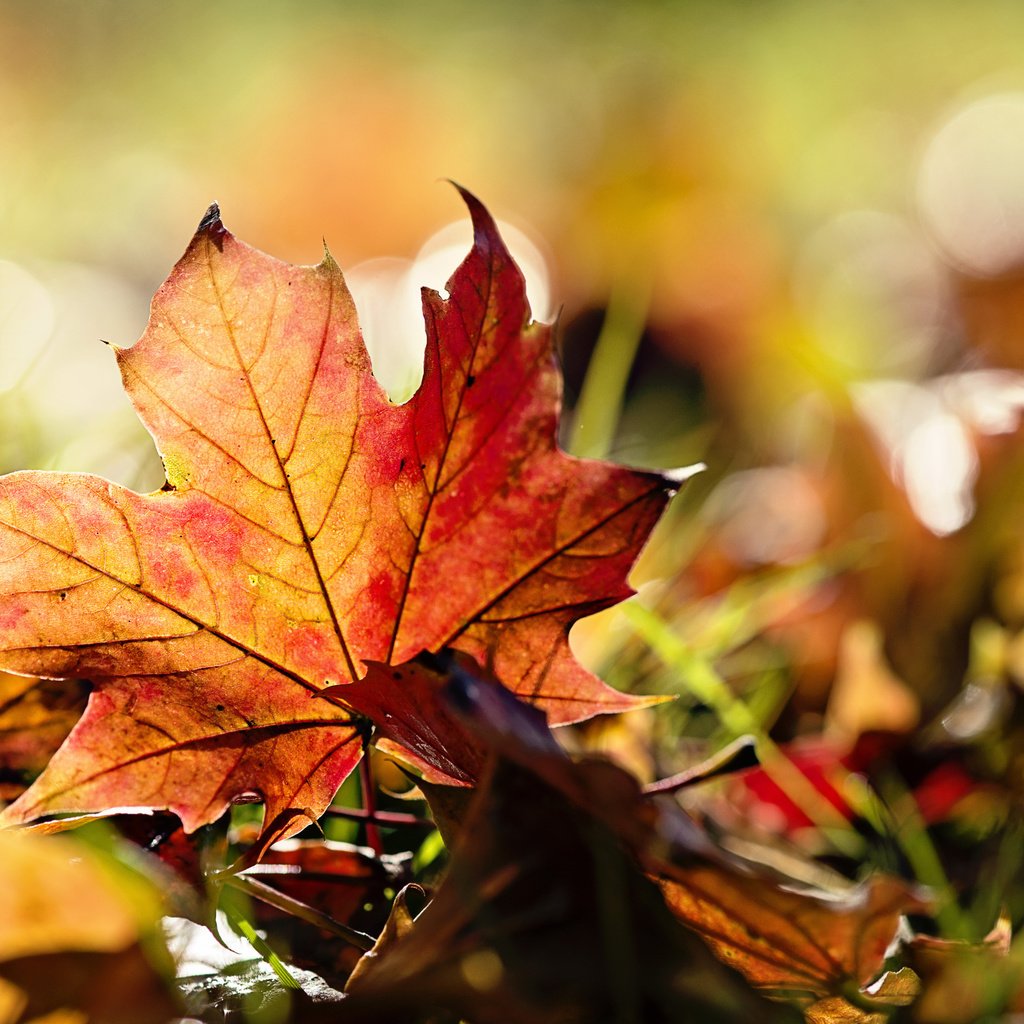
{"x":435,"y":487}
{"x":307,"y":540}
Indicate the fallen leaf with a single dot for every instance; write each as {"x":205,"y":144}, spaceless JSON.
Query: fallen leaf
{"x":815,"y":946}
{"x":544,"y":916}
{"x":397,"y":927}
{"x":118,"y":987}
{"x":308,"y":527}
{"x":967,"y":981}
{"x":72,"y":934}
{"x":344,"y":882}
{"x":874,"y":1006}
{"x":336,"y":878}
{"x":788,"y":943}
{"x":63,"y":901}
{"x":867,"y":696}
{"x":416,"y":722}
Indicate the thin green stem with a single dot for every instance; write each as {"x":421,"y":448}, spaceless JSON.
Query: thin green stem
{"x":911,"y":834}
{"x":246,"y":930}
{"x":391,"y":819}
{"x":600,"y":403}
{"x":703,"y":682}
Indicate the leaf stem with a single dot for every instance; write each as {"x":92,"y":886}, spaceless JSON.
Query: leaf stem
{"x":271,"y":896}
{"x":369,"y":789}
{"x":396,"y":819}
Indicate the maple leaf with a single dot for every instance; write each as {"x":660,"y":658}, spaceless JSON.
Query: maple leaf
{"x":789,"y":942}
{"x":308,"y":527}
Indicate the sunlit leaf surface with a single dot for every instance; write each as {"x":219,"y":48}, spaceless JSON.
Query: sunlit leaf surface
{"x":308,"y":526}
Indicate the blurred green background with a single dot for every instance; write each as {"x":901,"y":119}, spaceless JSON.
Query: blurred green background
{"x":785,"y":238}
{"x":779,"y":195}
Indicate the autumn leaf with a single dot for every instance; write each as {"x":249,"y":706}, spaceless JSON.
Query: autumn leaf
{"x":544,"y":916}
{"x":787,"y":942}
{"x":72,"y":934}
{"x":415,"y":720}
{"x":876,"y":1006}
{"x":964,"y":982}
{"x":336,"y":878}
{"x":308,"y":527}
{"x":820,"y":947}
{"x":343,"y":882}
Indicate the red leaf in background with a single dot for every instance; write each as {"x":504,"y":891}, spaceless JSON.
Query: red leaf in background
{"x":826,"y":764}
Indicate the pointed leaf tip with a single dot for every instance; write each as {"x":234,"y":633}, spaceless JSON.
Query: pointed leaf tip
{"x":681,"y":474}
{"x":328,"y":261}
{"x":485,"y":230}
{"x":211,"y":219}
{"x":212,"y":226}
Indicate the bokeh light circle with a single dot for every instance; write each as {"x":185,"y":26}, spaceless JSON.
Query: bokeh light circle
{"x":971,"y":185}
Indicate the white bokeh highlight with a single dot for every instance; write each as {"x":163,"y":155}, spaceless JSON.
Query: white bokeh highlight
{"x":388,"y":299}
{"x":970,"y":186}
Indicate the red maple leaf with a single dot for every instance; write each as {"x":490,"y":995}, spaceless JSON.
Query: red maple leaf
{"x":308,"y":527}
